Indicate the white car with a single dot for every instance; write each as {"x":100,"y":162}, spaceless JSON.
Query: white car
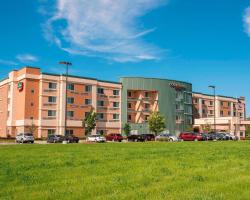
{"x":24,"y":138}
{"x":166,"y":137}
{"x":95,"y":138}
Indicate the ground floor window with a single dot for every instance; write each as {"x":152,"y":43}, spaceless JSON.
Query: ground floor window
{"x":69,"y":132}
{"x":51,"y":131}
{"x":100,"y":132}
{"x":241,"y":134}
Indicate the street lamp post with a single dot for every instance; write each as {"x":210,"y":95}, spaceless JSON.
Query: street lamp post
{"x":67,"y":64}
{"x":213,"y":87}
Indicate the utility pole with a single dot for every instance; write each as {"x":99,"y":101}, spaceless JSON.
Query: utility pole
{"x":213,"y":87}
{"x":67,"y":64}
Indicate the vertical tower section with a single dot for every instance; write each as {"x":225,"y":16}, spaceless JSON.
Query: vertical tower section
{"x":142,"y":96}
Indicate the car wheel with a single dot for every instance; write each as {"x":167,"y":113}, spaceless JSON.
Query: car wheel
{"x":22,"y":141}
{"x":171,"y":140}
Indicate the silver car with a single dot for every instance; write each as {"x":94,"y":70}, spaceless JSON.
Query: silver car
{"x":167,"y":137}
{"x":25,"y":138}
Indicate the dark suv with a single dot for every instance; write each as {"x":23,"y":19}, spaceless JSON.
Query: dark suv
{"x":136,"y":138}
{"x":71,"y":139}
{"x":189,"y":136}
{"x":149,"y":137}
{"x":55,"y":139}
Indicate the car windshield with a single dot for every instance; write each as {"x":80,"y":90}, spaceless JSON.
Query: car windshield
{"x":28,"y":134}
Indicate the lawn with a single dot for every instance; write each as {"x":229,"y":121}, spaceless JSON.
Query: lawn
{"x":185,"y":170}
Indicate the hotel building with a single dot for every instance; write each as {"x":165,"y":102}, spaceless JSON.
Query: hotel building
{"x":29,"y":98}
{"x":230,"y":113}
{"x":142,"y":96}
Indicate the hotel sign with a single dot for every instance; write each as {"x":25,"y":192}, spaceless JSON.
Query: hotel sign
{"x":20,"y":86}
{"x":177,"y":86}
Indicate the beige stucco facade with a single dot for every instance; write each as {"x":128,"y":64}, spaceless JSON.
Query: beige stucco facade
{"x":41,"y":103}
{"x":230,"y":113}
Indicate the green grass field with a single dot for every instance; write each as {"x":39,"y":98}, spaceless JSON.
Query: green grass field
{"x":185,"y":170}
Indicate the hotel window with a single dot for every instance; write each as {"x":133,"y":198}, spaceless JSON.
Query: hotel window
{"x":221,"y":103}
{"x":32,"y":91}
{"x":70,"y":113}
{"x":203,"y":102}
{"x":229,"y":104}
{"x":52,"y":85}
{"x":51,"y":113}
{"x":211,"y":103}
{"x":211,"y":112}
{"x":129,"y":117}
{"x":69,"y":132}
{"x":116,"y":116}
{"x":146,"y":118}
{"x":70,"y":100}
{"x":51,"y":131}
{"x":221,"y":113}
{"x":51,"y":99}
{"x":116,"y":92}
{"x":100,"y":103}
{"x":100,"y":116}
{"x":129,"y":94}
{"x":241,"y":134}
{"x":88,"y":101}
{"x":115,"y":104}
{"x":195,"y":100}
{"x":70,"y":86}
{"x":234,"y":114}
{"x":146,"y":94}
{"x":203,"y":111}
{"x":129,"y":105}
{"x":88,"y":88}
{"x":147,"y":106}
{"x":229,"y":113}
{"x":100,"y":90}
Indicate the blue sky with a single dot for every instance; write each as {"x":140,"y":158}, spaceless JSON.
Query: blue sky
{"x":202,"y":42}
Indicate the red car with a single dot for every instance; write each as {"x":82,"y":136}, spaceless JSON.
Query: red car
{"x":114,"y":137}
{"x":187,"y":136}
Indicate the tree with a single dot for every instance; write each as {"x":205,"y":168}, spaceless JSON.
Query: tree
{"x":248,"y":130}
{"x":32,"y":128}
{"x":89,"y":123}
{"x":127,"y":129}
{"x":206,"y":128}
{"x":156,"y":123}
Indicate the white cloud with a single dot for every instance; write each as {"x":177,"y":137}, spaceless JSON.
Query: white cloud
{"x":8,"y":62}
{"x":106,"y":28}
{"x":26,"y":58}
{"x":247,"y":21}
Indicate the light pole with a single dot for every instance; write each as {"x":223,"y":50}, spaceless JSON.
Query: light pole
{"x":213,"y":87}
{"x":67,"y":64}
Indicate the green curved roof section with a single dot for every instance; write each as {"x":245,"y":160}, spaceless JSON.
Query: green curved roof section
{"x":166,"y":100}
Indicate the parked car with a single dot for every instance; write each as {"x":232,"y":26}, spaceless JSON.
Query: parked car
{"x":71,"y":139}
{"x":25,"y":138}
{"x":55,"y":139}
{"x":167,"y":137}
{"x":149,"y":137}
{"x":114,"y":137}
{"x":96,"y":138}
{"x":136,"y":138}
{"x":189,"y":136}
